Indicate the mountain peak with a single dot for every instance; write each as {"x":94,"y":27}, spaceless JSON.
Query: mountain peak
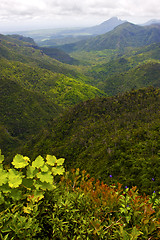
{"x":105,"y":26}
{"x":113,"y":20}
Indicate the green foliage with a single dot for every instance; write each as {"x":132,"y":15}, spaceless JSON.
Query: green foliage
{"x":131,"y":69}
{"x":37,"y":176}
{"x":21,"y":192}
{"x":83,"y":208}
{"x":77,"y":207}
{"x":59,"y":55}
{"x":117,"y":136}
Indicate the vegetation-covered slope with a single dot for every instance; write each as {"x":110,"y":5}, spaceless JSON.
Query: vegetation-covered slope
{"x":59,"y":55}
{"x":143,"y":75}
{"x":135,"y":69}
{"x":116,"y":136}
{"x":125,"y":35}
{"x":23,"y":113}
{"x":26,"y":64}
{"x":104,"y":136}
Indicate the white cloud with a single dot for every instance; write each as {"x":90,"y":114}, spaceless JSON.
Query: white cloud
{"x":74,"y":12}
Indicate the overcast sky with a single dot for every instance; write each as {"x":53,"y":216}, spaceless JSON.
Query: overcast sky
{"x":39,"y":14}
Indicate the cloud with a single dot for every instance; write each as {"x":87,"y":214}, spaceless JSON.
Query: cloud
{"x":40,"y":8}
{"x":56,"y":10}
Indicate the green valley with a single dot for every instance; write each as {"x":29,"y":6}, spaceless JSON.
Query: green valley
{"x":89,"y":111}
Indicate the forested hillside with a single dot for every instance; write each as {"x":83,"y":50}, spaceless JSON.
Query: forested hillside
{"x":36,"y":89}
{"x":28,"y":65}
{"x":120,"y":70}
{"x":116,"y":136}
{"x":125,"y":35}
{"x":96,"y":111}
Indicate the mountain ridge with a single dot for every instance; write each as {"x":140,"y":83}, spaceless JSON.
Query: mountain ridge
{"x":125,"y":35}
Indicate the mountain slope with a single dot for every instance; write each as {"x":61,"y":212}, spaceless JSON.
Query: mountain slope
{"x":55,"y":37}
{"x":137,"y":68}
{"x":143,"y":75}
{"x":26,"y":64}
{"x":116,"y":136}
{"x":23,"y":113}
{"x":125,"y":35}
{"x":59,"y":55}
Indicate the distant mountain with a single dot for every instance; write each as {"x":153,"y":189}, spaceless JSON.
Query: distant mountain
{"x":56,"y":37}
{"x":125,"y":35}
{"x":152,"y":21}
{"x":103,"y":27}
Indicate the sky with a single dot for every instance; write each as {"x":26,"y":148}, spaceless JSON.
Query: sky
{"x":24,"y":15}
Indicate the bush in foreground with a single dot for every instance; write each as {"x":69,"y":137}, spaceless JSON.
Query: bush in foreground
{"x":33,"y":205}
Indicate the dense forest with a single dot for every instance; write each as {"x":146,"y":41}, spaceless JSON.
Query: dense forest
{"x":93,"y":106}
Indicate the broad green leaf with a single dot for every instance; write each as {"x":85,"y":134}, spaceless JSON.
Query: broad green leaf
{"x":51,"y":160}
{"x":20,"y":161}
{"x":31,"y":172}
{"x":37,"y":184}
{"x":1,"y":157}
{"x":44,"y":186}
{"x":3,"y":177}
{"x":5,"y":188}
{"x":60,"y":161}
{"x":47,"y":186}
{"x":28,"y":183}
{"x":14,"y":178}
{"x":58,"y":170}
{"x":16,"y":194}
{"x":44,"y":168}
{"x":45,"y":177}
{"x":38,"y":162}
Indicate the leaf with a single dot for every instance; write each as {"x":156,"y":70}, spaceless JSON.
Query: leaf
{"x":38,"y":162}
{"x":60,"y":161}
{"x":31,"y":172}
{"x":44,"y":168}
{"x":14,"y":178}
{"x":28,"y":183}
{"x":47,"y":186}
{"x":51,"y":160}
{"x":20,"y":161}
{"x":45,"y":177}
{"x":16,"y":194}
{"x":3,"y":176}
{"x":5,"y":188}
{"x":44,"y":186}
{"x":58,"y":170}
{"x":1,"y":157}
